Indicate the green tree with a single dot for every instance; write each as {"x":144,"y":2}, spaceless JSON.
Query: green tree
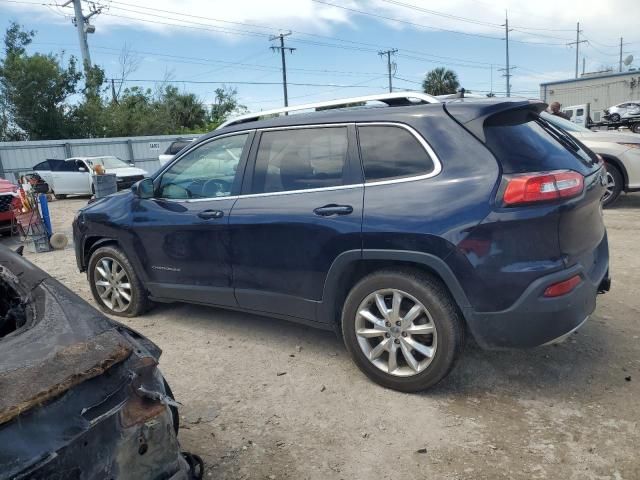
{"x":440,"y":81}
{"x":226,"y":103}
{"x":35,"y":88}
{"x":185,"y":110}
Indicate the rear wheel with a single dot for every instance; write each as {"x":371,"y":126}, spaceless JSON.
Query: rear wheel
{"x":114,"y":284}
{"x":614,"y":185}
{"x":402,"y":329}
{"x":635,"y":128}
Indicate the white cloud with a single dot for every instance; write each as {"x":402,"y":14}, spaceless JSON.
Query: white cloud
{"x":602,"y":21}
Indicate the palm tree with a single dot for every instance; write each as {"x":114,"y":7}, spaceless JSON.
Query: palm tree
{"x":440,"y":81}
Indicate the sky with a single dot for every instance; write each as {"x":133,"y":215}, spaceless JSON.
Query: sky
{"x":194,"y":43}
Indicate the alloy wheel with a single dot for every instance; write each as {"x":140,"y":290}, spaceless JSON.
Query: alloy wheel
{"x":112,"y":284}
{"x":609,"y":187}
{"x":396,"y":332}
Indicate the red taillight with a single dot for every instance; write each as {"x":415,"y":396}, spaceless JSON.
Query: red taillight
{"x":562,"y":288}
{"x":542,"y":187}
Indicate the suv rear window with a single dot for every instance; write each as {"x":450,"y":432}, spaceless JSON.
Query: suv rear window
{"x":390,"y":152}
{"x":524,"y":142}
{"x":300,"y":159}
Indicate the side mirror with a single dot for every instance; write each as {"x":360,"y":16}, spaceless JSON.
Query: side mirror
{"x":143,"y":188}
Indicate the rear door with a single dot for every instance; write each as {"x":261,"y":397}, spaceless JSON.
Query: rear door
{"x":300,"y":209}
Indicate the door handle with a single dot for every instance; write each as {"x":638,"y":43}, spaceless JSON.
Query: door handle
{"x":333,"y":209}
{"x":211,"y":214}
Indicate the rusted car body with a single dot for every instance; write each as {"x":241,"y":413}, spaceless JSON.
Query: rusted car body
{"x":81,"y":396}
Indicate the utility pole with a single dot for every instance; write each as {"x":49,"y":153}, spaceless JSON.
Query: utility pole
{"x":83,"y":27}
{"x":577,"y":44}
{"x":620,"y":63}
{"x":282,"y":49}
{"x":388,"y":53}
{"x":507,"y":69}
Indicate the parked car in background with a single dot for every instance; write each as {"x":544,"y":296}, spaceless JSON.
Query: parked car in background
{"x":173,"y":150}
{"x":399,"y":226}
{"x":622,"y":110}
{"x":620,"y":152}
{"x":82,"y":395}
{"x":8,"y":199}
{"x":73,"y":175}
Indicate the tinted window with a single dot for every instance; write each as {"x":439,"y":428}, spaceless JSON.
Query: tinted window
{"x":391,"y":152}
{"x":524,"y":142}
{"x":580,"y":112}
{"x":300,"y":159}
{"x":66,"y":166}
{"x":42,"y":166}
{"x":208,"y":171}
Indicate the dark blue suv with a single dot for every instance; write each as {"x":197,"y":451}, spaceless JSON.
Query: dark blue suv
{"x":401,"y":226}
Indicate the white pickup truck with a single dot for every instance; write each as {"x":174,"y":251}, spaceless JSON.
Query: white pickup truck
{"x":72,"y":176}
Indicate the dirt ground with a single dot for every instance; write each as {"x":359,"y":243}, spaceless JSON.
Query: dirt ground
{"x":267,"y":399}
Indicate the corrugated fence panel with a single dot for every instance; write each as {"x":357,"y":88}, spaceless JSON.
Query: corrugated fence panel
{"x":20,"y":157}
{"x":97,"y":149}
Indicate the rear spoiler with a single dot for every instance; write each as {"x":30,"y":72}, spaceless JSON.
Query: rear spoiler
{"x":472,"y":114}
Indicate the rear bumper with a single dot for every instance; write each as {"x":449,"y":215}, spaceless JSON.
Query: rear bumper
{"x":534,"y":320}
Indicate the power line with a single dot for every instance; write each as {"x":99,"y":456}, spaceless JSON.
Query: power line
{"x":237,"y":82}
{"x":414,"y":24}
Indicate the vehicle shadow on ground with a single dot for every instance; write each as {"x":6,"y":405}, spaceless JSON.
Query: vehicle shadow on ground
{"x":550,"y":370}
{"x":626,"y":201}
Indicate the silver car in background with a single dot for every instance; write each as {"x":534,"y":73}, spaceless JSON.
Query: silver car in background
{"x":620,"y":152}
{"x":622,"y":110}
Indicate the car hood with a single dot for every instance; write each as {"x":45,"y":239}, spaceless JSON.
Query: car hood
{"x":60,"y":342}
{"x":127,"y":171}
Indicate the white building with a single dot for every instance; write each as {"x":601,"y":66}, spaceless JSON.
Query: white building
{"x":601,"y":90}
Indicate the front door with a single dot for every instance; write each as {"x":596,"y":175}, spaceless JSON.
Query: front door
{"x":300,"y":210}
{"x":183,"y":230}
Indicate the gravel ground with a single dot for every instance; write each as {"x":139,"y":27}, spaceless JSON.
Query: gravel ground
{"x":267,"y":399}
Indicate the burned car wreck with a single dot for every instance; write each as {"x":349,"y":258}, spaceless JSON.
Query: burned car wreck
{"x":81,"y":396}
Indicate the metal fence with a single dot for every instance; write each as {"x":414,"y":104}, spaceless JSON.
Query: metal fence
{"x":20,"y":157}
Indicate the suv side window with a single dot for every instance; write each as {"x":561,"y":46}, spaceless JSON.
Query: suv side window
{"x":390,"y":152}
{"x":208,"y":171}
{"x":301,"y":159}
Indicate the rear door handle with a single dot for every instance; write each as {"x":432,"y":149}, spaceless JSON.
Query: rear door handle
{"x":211,"y":214}
{"x":333,"y":209}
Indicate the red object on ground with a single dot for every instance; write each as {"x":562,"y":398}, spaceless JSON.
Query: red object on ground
{"x":8,"y":202}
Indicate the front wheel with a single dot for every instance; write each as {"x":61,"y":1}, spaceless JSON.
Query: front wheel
{"x":114,"y":284}
{"x":614,"y":117}
{"x":402,"y":329}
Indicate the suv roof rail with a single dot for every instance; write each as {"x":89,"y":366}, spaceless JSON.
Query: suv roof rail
{"x":391,"y":99}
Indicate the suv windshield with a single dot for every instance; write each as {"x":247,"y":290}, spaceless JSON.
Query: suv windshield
{"x":563,"y":124}
{"x":107,"y":162}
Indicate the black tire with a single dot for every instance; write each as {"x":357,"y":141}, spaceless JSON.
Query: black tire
{"x":635,"y":128}
{"x":59,"y":197}
{"x":614,"y":175}
{"x":139,"y":302}
{"x":435,"y":297}
{"x":614,"y":117}
{"x":175,"y":417}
